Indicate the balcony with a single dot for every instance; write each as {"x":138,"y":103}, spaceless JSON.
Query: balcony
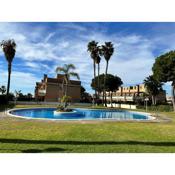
{"x":41,"y":92}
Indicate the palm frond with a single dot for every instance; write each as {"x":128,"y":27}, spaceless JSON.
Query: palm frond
{"x":92,"y":45}
{"x":70,"y":66}
{"x":74,"y":74}
{"x":60,"y":69}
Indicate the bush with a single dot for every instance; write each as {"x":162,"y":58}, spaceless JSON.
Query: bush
{"x":160,"y":108}
{"x":3,"y":99}
{"x":66,"y":99}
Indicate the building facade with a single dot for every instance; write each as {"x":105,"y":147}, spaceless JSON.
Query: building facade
{"x":133,"y":93}
{"x":53,"y":89}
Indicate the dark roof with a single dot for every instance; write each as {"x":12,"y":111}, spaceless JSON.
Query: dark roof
{"x":74,"y":82}
{"x":52,"y":80}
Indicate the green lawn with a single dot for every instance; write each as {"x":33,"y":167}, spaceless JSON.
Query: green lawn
{"x":21,"y":135}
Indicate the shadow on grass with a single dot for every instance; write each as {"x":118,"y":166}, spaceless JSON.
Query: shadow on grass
{"x":48,"y":150}
{"x":144,"y":143}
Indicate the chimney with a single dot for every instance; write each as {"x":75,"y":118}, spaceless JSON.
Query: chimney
{"x":45,"y":77}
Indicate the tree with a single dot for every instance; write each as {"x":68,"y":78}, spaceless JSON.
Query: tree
{"x":94,"y":53}
{"x":9,"y":49}
{"x":67,"y":69}
{"x":29,"y":96}
{"x":97,"y":61}
{"x":66,"y":99}
{"x":153,"y":87}
{"x":107,"y":51}
{"x":164,"y":71}
{"x":2,"y":90}
{"x":112,"y":83}
{"x":101,"y":80}
{"x":17,"y":93}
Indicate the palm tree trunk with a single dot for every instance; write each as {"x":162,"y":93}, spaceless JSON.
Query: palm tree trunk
{"x":94,"y":79}
{"x":9,"y":76}
{"x":66,"y":90}
{"x":98,"y":80}
{"x":105,"y":82}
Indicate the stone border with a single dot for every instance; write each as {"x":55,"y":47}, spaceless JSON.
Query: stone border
{"x":152,"y":118}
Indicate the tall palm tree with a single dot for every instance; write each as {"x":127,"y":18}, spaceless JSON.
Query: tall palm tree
{"x":97,"y":61}
{"x":9,"y":49}
{"x":93,"y":49}
{"x":107,"y":51}
{"x":153,"y":87}
{"x":67,"y":69}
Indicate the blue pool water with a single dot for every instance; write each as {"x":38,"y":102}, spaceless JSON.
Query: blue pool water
{"x":80,"y":114}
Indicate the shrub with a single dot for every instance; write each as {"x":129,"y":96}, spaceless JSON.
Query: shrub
{"x":66,"y":99}
{"x":160,"y":108}
{"x":3,"y":99}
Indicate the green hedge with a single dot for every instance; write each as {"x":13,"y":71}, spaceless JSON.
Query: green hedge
{"x":160,"y":108}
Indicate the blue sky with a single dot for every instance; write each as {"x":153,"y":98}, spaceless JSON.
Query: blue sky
{"x":41,"y":47}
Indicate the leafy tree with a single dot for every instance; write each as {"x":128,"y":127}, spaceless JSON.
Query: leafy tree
{"x":82,"y":89}
{"x":112,"y":83}
{"x":9,"y":49}
{"x":107,"y":51}
{"x":164,"y":70}
{"x":29,"y":96}
{"x":153,"y":87}
{"x":3,"y":90}
{"x":101,"y":80}
{"x":18,"y":93}
{"x":85,"y":97}
{"x":67,"y":69}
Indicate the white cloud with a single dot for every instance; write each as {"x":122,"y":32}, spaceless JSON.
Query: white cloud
{"x":19,"y":81}
{"x":132,"y":59}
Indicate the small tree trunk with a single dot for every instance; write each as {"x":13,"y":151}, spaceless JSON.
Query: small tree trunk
{"x":9,"y":76}
{"x":155,"y":100}
{"x":152,"y":100}
{"x":103,"y":97}
{"x":111,"y":100}
{"x":105,"y":81}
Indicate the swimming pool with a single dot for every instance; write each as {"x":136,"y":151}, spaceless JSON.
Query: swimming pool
{"x":79,"y":114}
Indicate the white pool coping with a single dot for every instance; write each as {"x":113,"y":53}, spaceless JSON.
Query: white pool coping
{"x":150,"y":117}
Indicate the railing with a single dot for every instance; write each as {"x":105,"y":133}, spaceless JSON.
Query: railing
{"x":121,"y":98}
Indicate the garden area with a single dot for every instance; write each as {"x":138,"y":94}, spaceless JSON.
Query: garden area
{"x":37,"y":136}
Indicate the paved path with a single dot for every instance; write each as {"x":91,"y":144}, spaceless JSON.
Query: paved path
{"x":2,"y":115}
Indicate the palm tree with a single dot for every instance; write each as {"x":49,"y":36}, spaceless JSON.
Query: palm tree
{"x":93,"y":49}
{"x":9,"y":49}
{"x":97,"y":61}
{"x":3,"y":90}
{"x":17,"y":94}
{"x":107,"y":51}
{"x":67,"y":70}
{"x":153,"y":87}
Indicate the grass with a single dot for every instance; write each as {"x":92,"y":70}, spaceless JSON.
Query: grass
{"x":21,"y":135}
